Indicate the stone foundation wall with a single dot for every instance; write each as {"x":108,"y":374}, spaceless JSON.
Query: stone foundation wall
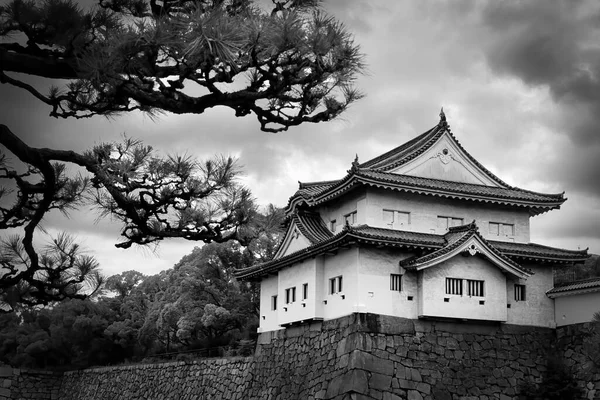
{"x":575,"y":354}
{"x":362,"y":356}
{"x":27,"y":384}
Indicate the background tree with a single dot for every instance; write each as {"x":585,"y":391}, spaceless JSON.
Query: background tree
{"x":286,"y":65}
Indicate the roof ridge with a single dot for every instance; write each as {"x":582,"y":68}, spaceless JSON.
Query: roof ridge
{"x":316,"y":183}
{"x":583,"y":251}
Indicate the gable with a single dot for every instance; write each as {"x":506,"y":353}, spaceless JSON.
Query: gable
{"x":446,"y":160}
{"x":293,"y":241}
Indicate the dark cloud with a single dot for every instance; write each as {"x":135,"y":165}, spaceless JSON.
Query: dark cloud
{"x":553,"y":43}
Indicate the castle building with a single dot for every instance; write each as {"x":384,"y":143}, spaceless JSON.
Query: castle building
{"x":422,"y":231}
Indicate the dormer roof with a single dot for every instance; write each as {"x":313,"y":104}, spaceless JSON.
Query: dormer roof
{"x":466,"y":239}
{"x":412,"y":168}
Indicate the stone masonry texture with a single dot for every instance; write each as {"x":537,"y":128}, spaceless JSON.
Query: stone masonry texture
{"x":362,"y":356}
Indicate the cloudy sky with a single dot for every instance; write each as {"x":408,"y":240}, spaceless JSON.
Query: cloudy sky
{"x":519,"y":82}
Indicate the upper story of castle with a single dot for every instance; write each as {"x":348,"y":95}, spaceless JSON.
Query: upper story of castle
{"x":409,"y":198}
{"x":426,"y":185}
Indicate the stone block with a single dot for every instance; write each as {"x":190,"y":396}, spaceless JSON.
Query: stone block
{"x":5,"y":392}
{"x":380,"y":382}
{"x":6,"y":372}
{"x":391,"y":396}
{"x":368,"y":362}
{"x":414,"y":395}
{"x":353,"y":381}
{"x":406,"y":384}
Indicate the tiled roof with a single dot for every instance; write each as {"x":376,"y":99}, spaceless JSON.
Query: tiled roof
{"x":312,"y":188}
{"x":455,"y":239}
{"x":393,"y":235}
{"x":363,"y":234}
{"x":406,"y":151}
{"x":320,"y":192}
{"x":312,"y":226}
{"x":413,"y":148}
{"x":539,"y":252}
{"x":586,"y":285}
{"x":375,"y":172}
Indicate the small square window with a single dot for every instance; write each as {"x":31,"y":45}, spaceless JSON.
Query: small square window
{"x":475,"y":288}
{"x":335,"y":285}
{"x":508,"y":229}
{"x":396,"y":219}
{"x":520,"y":293}
{"x":388,"y":218}
{"x":454,"y":286}
{"x":290,"y":295}
{"x":494,"y":228}
{"x":457,"y":221}
{"x":446,"y":222}
{"x":396,"y":282}
{"x":501,"y":229}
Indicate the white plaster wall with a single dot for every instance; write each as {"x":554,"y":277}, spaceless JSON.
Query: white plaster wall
{"x":374,"y":294}
{"x":433,"y":290}
{"x":537,"y":309}
{"x":576,"y":308}
{"x":336,"y":209}
{"x":345,"y":263}
{"x":295,"y":276}
{"x":268,"y":317}
{"x":424,"y":211}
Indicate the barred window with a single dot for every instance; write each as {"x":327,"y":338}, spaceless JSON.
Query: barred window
{"x":454,"y":286}
{"x":396,"y":282}
{"x":290,"y":295}
{"x":520,"y":292}
{"x":474,"y":288}
{"x":335,"y":285}
{"x":273,"y":303}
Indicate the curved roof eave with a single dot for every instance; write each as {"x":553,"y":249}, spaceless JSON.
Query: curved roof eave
{"x":355,"y":178}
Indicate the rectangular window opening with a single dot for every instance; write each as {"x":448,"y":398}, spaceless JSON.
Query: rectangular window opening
{"x":274,"y":303}
{"x":396,"y":219}
{"x":445,"y":223}
{"x":454,"y":286}
{"x":305,"y":291}
{"x":520,"y":292}
{"x":290,"y":295}
{"x":335,"y":285}
{"x":396,"y":282}
{"x":501,"y":229}
{"x":332,"y":225}
{"x":475,"y":288}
